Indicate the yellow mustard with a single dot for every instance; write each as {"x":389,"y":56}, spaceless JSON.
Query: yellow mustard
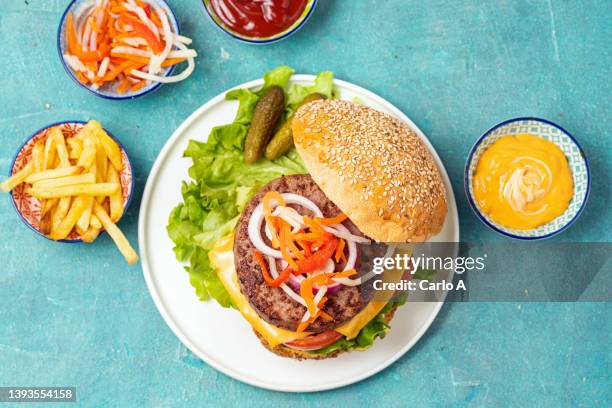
{"x":523,"y":181}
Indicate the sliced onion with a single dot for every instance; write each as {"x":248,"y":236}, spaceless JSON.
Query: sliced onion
{"x":254,"y":229}
{"x":131,"y":50}
{"x":284,"y":287}
{"x":86,"y":34}
{"x":291,"y":198}
{"x":133,"y":41}
{"x":345,"y":234}
{"x":183,"y":39}
{"x":93,"y":41}
{"x":321,"y":292}
{"x":352,"y":248}
{"x":155,"y":63}
{"x":290,"y":215}
{"x":366,"y":277}
{"x":169,"y":79}
{"x":103,"y":66}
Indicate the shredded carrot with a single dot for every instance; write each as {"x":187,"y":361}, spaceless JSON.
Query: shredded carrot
{"x":340,"y":251}
{"x":285,"y":237}
{"x":155,"y":19}
{"x":325,"y":316}
{"x":307,"y":236}
{"x":302,"y":326}
{"x":330,"y":221}
{"x":306,"y":289}
{"x":135,"y":65}
{"x":291,"y":245}
{"x":313,"y":225}
{"x":268,"y":198}
{"x":81,"y":77}
{"x":73,"y":47}
{"x":129,"y":57}
{"x":345,"y":274}
{"x":123,"y":85}
{"x":138,"y":85}
{"x":172,"y":61}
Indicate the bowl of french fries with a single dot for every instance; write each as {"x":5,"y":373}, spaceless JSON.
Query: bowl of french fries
{"x":71,"y":181}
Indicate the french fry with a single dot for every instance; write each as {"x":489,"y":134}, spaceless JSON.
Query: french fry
{"x":85,"y":178}
{"x":18,"y":177}
{"x":111,"y":148}
{"x":95,"y":222}
{"x":115,"y":200}
{"x":88,"y":157}
{"x":101,"y":163}
{"x":49,"y":153}
{"x":53,"y":173}
{"x":46,"y":223}
{"x":38,"y":156}
{"x":76,"y":147}
{"x":47,"y":205}
{"x":60,"y":211}
{"x":76,"y":209}
{"x":90,"y":235}
{"x":84,"y":221}
{"x":97,"y":189}
{"x":120,"y":240}
{"x":60,"y":146}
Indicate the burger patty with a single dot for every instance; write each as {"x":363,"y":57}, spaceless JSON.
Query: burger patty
{"x":273,"y":304}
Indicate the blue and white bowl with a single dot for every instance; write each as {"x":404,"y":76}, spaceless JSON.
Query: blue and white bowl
{"x":28,"y":207}
{"x":576,"y":158}
{"x":299,"y":23}
{"x":109,"y":91}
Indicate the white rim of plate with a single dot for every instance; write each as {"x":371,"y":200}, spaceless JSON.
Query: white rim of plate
{"x":209,"y":359}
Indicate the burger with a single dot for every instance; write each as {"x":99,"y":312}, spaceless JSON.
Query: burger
{"x":296,"y":264}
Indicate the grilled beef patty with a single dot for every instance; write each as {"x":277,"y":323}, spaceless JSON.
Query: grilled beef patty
{"x":273,"y":304}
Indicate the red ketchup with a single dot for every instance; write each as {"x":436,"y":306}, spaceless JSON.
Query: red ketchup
{"x":258,"y":18}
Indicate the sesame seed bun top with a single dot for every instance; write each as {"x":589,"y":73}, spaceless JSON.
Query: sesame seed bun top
{"x":374,"y":168}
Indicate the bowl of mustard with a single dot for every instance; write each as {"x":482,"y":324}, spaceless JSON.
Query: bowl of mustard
{"x":527,"y":178}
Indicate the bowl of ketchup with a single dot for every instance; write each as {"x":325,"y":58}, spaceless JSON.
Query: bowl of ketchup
{"x":260,"y":21}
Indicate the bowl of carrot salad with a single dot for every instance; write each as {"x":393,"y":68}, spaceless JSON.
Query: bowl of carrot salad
{"x":123,"y":49}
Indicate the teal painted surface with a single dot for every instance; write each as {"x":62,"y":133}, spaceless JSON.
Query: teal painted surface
{"x":74,"y":315}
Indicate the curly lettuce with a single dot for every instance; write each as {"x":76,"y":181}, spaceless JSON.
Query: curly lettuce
{"x":222,"y":183}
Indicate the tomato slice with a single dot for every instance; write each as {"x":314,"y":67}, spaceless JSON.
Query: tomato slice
{"x":316,"y":341}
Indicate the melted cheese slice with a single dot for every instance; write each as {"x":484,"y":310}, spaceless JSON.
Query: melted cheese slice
{"x":222,"y":258}
{"x":381,"y":298}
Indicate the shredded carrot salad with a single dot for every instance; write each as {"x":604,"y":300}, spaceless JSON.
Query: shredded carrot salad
{"x":124,"y":45}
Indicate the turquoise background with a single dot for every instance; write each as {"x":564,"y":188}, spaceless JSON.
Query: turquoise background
{"x":78,"y":315}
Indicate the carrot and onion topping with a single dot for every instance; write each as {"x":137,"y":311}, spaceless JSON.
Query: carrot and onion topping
{"x":307,"y":247}
{"x":124,"y":45}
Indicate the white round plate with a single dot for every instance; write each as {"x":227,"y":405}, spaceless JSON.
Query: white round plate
{"x":221,"y":337}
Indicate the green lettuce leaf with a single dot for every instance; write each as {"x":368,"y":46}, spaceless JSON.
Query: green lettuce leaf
{"x":278,"y":76}
{"x":247,"y":101}
{"x":376,"y":328}
{"x":324,"y":84}
{"x":425,"y":274}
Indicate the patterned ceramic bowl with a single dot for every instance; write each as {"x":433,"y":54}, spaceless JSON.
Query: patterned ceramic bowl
{"x":577,"y":162}
{"x":108,"y":91}
{"x":299,"y":23}
{"x":28,"y":207}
